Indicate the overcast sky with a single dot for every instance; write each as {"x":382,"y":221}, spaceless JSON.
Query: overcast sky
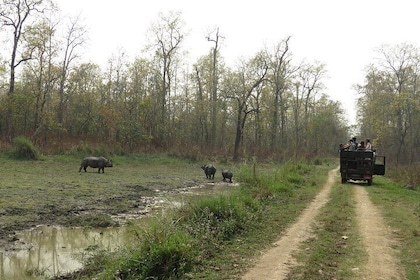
{"x":343,"y":35}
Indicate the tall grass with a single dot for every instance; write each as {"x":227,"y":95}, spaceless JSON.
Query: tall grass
{"x":23,"y":148}
{"x":408,"y":174}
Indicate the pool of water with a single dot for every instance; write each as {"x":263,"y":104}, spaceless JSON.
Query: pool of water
{"x":50,"y":251}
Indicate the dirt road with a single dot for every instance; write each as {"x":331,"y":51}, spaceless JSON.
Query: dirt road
{"x":376,"y":237}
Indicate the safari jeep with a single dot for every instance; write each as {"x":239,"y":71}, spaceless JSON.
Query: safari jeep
{"x":361,"y":165}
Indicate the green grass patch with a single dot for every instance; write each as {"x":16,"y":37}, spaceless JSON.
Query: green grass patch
{"x":52,"y":191}
{"x":401,"y":209}
{"x":162,"y":251}
{"x":335,"y":250}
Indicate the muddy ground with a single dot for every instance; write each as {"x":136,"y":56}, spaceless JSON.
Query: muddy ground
{"x":54,"y":193}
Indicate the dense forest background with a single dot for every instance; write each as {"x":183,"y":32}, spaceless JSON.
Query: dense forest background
{"x":269,"y":105}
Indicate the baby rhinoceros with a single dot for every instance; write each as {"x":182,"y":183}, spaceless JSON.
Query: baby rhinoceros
{"x":95,"y":162}
{"x":209,"y":170}
{"x":227,"y":174}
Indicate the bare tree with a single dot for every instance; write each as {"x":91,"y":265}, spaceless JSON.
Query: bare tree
{"x":281,"y":71}
{"x":14,"y":14}
{"x":239,"y":87}
{"x":394,"y":80}
{"x":308,"y":83}
{"x":74,"y":39}
{"x":201,"y":106}
{"x":168,"y":36}
{"x":41,"y":38}
{"x":215,"y":80}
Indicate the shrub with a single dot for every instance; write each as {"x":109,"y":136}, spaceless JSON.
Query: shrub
{"x":222,"y":217}
{"x":23,"y":148}
{"x":162,"y":252}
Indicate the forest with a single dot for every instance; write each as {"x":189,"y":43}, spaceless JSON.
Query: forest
{"x":269,"y":106}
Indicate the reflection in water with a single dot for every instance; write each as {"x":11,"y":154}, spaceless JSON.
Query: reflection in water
{"x":53,"y":251}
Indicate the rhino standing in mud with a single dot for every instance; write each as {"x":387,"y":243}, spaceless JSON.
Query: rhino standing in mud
{"x":209,"y":170}
{"x":227,"y":174}
{"x":95,"y":162}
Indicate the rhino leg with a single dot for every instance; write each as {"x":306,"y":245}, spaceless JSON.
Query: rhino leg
{"x":83,"y":165}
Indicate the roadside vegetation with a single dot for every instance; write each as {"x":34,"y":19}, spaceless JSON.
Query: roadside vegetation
{"x":401,"y":208}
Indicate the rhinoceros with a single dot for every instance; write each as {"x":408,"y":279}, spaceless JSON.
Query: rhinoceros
{"x":95,"y":162}
{"x":209,"y":170}
{"x":227,"y":174}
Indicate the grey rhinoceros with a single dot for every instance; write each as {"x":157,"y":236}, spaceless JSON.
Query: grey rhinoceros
{"x":95,"y":162}
{"x":209,"y":170}
{"x":227,"y":174}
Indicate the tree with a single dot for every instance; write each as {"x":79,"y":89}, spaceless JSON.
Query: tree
{"x":240,"y":85}
{"x":389,"y":102}
{"x":280,"y":73}
{"x":14,"y":14}
{"x":168,"y":36}
{"x":201,"y":107}
{"x":308,"y":84}
{"x":215,"y":80}
{"x":74,"y":39}
{"x":326,"y":127}
{"x":41,"y":70}
{"x":84,"y":88}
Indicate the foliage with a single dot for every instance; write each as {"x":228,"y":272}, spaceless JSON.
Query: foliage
{"x":405,"y":174}
{"x":214,"y":220}
{"x":23,"y":148}
{"x":389,"y":105}
{"x":85,"y":149}
{"x":162,"y":252}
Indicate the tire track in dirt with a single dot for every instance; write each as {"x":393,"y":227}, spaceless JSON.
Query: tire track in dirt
{"x":377,"y":240}
{"x":275,"y":263}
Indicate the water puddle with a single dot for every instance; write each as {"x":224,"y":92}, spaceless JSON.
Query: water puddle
{"x":51,"y":251}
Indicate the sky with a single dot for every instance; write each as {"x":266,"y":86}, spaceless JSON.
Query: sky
{"x":343,"y":35}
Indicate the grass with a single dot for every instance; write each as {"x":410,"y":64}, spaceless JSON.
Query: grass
{"x":216,"y":237}
{"x":329,"y":256}
{"x":52,"y":190}
{"x":401,"y":209}
{"x":335,"y":250}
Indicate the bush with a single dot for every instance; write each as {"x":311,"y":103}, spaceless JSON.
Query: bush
{"x":220,"y":218}
{"x":163,"y":251}
{"x":23,"y":148}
